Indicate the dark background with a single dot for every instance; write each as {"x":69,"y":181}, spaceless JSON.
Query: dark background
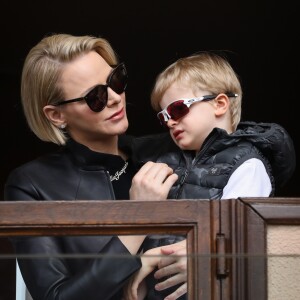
{"x":259,"y":38}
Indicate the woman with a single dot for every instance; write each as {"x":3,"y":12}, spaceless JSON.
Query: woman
{"x":73,"y":95}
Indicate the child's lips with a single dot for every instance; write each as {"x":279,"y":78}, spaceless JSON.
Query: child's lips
{"x":177,"y":134}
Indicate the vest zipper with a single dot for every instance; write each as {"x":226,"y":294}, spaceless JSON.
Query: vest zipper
{"x":186,"y":172}
{"x":194,"y":161}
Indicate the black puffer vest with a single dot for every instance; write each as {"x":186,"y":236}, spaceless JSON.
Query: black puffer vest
{"x":205,"y":175}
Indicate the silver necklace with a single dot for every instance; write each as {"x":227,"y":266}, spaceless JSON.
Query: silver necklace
{"x":119,"y":173}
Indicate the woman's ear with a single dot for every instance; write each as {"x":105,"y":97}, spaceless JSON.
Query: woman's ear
{"x":221,"y":105}
{"x":54,"y":115}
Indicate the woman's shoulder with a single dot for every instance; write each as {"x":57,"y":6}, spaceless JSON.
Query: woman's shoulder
{"x":38,"y":166}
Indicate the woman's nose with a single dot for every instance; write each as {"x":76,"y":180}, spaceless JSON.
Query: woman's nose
{"x":113,"y":97}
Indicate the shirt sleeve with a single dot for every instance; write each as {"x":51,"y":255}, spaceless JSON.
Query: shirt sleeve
{"x":249,"y":180}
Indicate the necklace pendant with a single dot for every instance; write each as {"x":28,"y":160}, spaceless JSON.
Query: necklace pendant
{"x":119,"y":173}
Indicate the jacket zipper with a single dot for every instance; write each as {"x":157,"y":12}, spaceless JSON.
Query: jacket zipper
{"x":110,"y":185}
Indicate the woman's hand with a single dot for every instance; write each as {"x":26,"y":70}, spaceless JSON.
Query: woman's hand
{"x":152,"y":182}
{"x":135,"y":289}
{"x":171,"y":261}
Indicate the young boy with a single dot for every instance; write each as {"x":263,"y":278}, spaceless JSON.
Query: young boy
{"x":198,"y":99}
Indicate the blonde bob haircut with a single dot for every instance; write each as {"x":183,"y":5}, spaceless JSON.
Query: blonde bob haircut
{"x":41,"y":74}
{"x":206,"y":71}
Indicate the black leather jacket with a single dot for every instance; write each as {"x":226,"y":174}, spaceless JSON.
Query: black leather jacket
{"x":73,"y":173}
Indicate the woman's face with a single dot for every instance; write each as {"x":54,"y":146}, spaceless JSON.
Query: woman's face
{"x":83,"y":124}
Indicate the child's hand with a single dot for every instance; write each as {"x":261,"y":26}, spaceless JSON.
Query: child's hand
{"x":175,"y":265}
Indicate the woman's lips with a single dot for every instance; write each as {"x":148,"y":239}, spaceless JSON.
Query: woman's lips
{"x":118,"y":115}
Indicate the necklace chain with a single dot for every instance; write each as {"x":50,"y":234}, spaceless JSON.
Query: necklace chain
{"x":119,"y":173}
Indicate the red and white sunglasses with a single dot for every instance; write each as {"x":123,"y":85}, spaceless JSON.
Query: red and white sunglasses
{"x":179,"y":108}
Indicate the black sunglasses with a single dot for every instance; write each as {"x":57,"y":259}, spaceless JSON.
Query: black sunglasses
{"x":97,"y":98}
{"x":179,"y":108}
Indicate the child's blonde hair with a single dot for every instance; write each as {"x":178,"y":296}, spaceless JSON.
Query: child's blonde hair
{"x":206,"y":71}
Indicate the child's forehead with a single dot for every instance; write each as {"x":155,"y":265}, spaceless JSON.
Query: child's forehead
{"x":181,"y":89}
{"x":188,"y":85}
{"x":182,"y":83}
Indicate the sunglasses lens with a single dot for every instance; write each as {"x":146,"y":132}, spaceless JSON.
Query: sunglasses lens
{"x":96,"y":99}
{"x":118,"y":79}
{"x":177,"y":110}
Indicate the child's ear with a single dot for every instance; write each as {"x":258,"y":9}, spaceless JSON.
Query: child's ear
{"x":54,"y":115}
{"x":221,"y":104}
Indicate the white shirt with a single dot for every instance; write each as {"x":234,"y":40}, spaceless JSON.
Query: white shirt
{"x":250,"y":179}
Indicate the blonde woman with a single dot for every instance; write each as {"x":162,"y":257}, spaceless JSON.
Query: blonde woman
{"x":73,"y":95}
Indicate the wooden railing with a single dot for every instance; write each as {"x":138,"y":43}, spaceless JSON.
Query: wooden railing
{"x":218,"y":233}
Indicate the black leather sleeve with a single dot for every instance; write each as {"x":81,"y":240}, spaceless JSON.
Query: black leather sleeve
{"x":50,"y":275}
{"x":47,"y":270}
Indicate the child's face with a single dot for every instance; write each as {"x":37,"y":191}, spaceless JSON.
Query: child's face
{"x":189,"y":131}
